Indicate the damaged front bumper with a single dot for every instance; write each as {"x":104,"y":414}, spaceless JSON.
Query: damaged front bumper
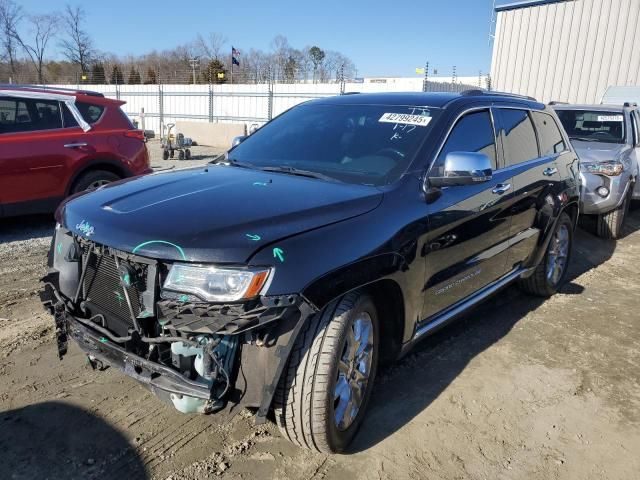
{"x":261,"y":342}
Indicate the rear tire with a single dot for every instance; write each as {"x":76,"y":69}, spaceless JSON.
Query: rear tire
{"x":313,"y":402}
{"x":180,"y":155}
{"x":550,"y":274}
{"x":165,"y":154}
{"x":92,"y":180}
{"x":187,"y":154}
{"x":611,"y":224}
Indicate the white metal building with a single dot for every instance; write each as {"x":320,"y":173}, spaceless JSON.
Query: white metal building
{"x":567,"y":50}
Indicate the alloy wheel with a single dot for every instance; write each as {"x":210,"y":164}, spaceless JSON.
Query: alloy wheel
{"x":557,"y":254}
{"x":354,"y":369}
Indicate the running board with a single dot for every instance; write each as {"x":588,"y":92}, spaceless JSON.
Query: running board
{"x":463,"y":305}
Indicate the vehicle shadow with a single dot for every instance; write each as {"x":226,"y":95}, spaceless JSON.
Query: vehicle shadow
{"x":62,"y":441}
{"x":26,"y":227}
{"x":433,"y":364}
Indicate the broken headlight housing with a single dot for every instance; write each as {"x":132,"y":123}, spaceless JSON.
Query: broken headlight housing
{"x":214,"y":284}
{"x":610,"y":168}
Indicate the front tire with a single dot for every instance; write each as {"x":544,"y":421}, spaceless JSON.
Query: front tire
{"x":611,"y":225}
{"x":550,"y":274}
{"x":325,"y":388}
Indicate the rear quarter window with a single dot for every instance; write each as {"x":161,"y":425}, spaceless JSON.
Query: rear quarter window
{"x":90,"y":113}
{"x":549,"y":136}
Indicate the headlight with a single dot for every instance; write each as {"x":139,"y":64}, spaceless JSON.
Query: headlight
{"x":611,"y":169}
{"x":214,"y":284}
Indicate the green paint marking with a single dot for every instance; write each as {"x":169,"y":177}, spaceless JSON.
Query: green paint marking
{"x":60,"y":247}
{"x":279,"y":254}
{"x":103,"y":340}
{"x":177,"y":247}
{"x":119,"y":297}
{"x":259,"y":184}
{"x":127,"y":280}
{"x":183,"y":298}
{"x":145,"y":314}
{"x":255,"y":238}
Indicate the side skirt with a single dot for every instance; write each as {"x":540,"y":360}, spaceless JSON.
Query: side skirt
{"x":439,"y":320}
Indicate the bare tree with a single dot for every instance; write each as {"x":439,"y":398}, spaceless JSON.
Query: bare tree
{"x":211,"y":46}
{"x":10,"y":16}
{"x":42,"y":28}
{"x":77,"y":45}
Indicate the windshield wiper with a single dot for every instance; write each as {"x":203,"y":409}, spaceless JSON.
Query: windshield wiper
{"x":586,"y":139}
{"x":300,"y":173}
{"x":223,"y":159}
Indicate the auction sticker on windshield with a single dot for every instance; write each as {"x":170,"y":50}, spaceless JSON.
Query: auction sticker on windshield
{"x":405,"y":119}
{"x":610,"y":118}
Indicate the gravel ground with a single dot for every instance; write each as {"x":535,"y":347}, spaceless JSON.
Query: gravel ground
{"x":520,"y":388}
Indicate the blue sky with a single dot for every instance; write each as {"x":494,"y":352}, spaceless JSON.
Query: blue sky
{"x":382,"y":37}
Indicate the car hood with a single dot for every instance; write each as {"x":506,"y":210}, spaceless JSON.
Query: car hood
{"x":591,"y":152}
{"x":217,"y":213}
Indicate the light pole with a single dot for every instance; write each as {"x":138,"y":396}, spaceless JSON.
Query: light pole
{"x":194,"y":62}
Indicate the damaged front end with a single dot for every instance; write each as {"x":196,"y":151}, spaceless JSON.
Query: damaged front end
{"x":197,"y":355}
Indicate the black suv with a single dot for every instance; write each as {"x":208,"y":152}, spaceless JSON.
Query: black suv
{"x":282,"y":274}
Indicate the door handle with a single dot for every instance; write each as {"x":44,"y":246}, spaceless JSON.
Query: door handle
{"x":75,"y":145}
{"x":550,"y":171}
{"x":501,"y":188}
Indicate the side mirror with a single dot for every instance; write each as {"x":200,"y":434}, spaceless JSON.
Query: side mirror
{"x":238,"y":140}
{"x":463,"y":168}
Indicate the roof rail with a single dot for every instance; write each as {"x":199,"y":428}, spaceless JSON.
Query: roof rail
{"x":53,"y":89}
{"x":630,"y":104}
{"x":474,"y":92}
{"x":558,"y":102}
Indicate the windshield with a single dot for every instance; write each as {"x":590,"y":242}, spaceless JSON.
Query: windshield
{"x":594,"y":126}
{"x":364,"y":144}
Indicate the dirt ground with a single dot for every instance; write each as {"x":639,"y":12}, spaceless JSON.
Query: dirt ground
{"x":518,"y":389}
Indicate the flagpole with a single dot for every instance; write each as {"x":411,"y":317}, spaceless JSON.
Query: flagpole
{"x":231,"y":65}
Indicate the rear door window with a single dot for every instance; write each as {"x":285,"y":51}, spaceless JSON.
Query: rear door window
{"x":549,"y":137}
{"x":472,"y":133}
{"x":518,"y":136}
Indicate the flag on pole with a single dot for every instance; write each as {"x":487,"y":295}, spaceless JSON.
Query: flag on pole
{"x":235,"y":56}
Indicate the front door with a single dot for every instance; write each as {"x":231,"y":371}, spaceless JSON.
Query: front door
{"x":470,"y":225}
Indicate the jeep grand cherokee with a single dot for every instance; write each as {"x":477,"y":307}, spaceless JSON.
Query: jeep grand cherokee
{"x":335,"y":237}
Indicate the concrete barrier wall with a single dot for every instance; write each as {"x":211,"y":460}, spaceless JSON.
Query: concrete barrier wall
{"x":211,"y":134}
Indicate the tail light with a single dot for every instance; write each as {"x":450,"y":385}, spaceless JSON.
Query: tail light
{"x":139,"y":134}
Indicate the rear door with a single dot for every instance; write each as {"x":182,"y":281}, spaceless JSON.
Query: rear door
{"x":34,"y":154}
{"x":531,"y":145}
{"x":470,"y":225}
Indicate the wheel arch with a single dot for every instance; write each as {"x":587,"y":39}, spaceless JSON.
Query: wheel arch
{"x":106,"y":164}
{"x":573,"y":210}
{"x":377,"y":277}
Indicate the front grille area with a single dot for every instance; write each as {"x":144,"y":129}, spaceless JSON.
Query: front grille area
{"x":104,"y":289}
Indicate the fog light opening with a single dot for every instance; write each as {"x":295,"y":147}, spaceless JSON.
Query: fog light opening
{"x":603,"y":191}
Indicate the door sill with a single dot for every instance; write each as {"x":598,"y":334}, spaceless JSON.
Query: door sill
{"x":440,"y":319}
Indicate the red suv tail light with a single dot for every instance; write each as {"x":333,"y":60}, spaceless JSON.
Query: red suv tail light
{"x":139,"y":134}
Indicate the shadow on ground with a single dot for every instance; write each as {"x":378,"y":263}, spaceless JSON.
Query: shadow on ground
{"x":26,"y":227}
{"x":424,"y":374}
{"x":61,"y":441}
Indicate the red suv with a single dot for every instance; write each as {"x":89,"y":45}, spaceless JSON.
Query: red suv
{"x":56,"y":142}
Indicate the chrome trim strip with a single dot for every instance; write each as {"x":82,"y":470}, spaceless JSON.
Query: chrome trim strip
{"x":465,"y":304}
